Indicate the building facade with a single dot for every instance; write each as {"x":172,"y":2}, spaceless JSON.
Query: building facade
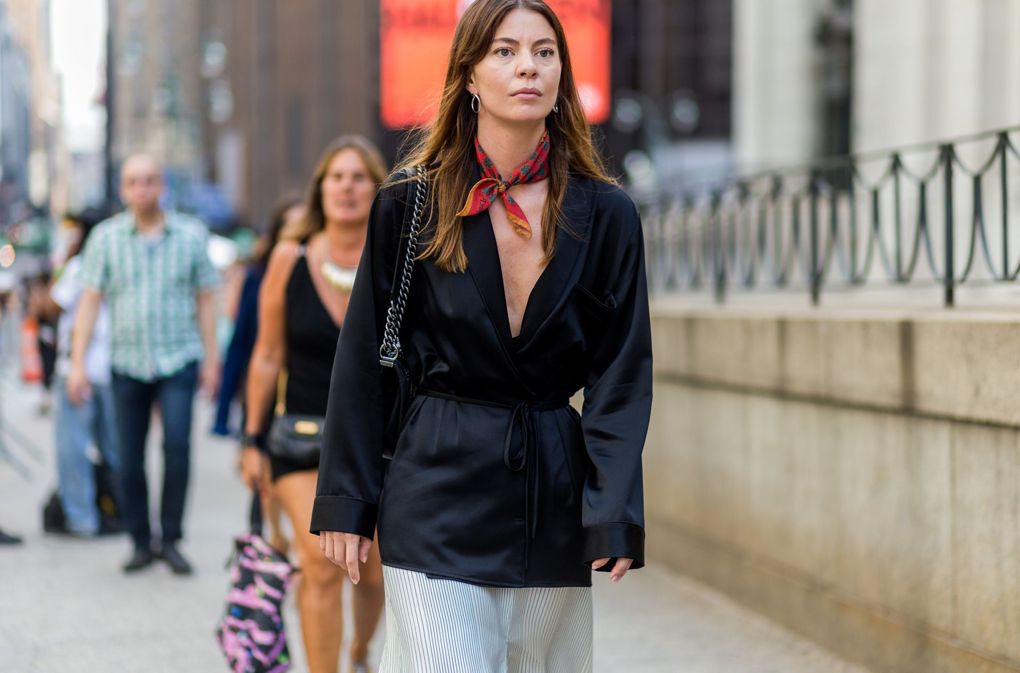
{"x":299,"y":74}
{"x":154,"y":97}
{"x":239,"y":98}
{"x":821,"y":77}
{"x":15,"y":124}
{"x":46,"y":174}
{"x":249,"y":96}
{"x":672,"y":79}
{"x":32,"y":154}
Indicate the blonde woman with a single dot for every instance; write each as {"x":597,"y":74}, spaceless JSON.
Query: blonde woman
{"x":302,"y":307}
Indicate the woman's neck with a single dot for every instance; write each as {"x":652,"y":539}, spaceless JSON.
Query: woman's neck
{"x":345,"y":240}
{"x":508,"y":146}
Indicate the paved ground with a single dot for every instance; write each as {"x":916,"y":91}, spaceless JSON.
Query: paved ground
{"x":65,"y":607}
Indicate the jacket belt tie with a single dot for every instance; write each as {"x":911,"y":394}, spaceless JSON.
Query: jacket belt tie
{"x":524,"y":458}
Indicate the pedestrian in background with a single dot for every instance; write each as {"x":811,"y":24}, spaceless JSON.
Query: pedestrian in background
{"x":44,"y":315}
{"x":242,"y":341}
{"x":500,"y":499}
{"x":153,"y":268}
{"x":7,"y":298}
{"x":287,"y":213}
{"x":6,"y":539}
{"x":89,"y":421}
{"x":302,"y":306}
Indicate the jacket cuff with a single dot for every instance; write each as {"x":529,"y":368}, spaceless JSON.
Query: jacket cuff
{"x":345,"y":515}
{"x":614,"y":540}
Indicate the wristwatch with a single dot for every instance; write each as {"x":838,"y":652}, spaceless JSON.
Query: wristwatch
{"x":257,"y":440}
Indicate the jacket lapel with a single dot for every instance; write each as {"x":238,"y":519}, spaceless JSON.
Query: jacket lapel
{"x":484,"y":269}
{"x":486,"y":272}
{"x":555,"y":283}
{"x":558,"y":279}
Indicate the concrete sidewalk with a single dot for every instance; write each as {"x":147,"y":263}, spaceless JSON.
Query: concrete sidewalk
{"x":65,"y":607}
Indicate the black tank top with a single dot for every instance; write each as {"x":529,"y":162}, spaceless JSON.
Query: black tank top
{"x":311,"y":344}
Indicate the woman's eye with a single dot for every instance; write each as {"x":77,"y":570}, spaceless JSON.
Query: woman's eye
{"x":546,"y":53}
{"x":503,"y":52}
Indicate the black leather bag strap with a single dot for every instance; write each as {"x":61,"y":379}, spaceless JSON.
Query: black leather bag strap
{"x":390,"y":350}
{"x":255,"y":514}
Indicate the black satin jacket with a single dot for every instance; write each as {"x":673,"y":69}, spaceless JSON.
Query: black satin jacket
{"x":495,"y":479}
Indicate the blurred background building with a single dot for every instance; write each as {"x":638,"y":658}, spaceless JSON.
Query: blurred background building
{"x":821,"y":77}
{"x":240,"y":97}
{"x":33,"y":158}
{"x":15,"y":122}
{"x":672,"y":80}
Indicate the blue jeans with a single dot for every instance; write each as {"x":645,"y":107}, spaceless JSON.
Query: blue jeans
{"x":134,"y":399}
{"x":77,"y":427}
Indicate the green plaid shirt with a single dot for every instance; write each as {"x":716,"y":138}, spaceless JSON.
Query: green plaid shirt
{"x":150,"y":287}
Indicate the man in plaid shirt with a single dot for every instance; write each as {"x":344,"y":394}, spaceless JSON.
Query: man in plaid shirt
{"x":153,"y":270}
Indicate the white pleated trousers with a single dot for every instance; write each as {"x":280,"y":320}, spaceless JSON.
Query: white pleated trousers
{"x":444,"y":626}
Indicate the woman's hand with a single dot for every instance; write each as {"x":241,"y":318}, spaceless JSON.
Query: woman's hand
{"x":346,"y":550}
{"x":619,"y":570}
{"x":254,"y":471}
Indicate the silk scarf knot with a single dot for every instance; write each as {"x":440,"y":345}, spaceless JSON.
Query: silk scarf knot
{"x":492,"y":185}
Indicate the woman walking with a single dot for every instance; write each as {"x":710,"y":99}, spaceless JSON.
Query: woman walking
{"x":499,"y":499}
{"x":302,"y":304}
{"x":289,"y":209}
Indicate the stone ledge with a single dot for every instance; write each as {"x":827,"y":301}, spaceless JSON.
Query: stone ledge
{"x":951,"y":364}
{"x":884,"y":643}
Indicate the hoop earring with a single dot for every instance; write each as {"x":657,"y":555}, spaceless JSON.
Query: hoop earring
{"x":476,"y":103}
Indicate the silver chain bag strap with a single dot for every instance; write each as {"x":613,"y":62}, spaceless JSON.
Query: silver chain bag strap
{"x":390,"y":352}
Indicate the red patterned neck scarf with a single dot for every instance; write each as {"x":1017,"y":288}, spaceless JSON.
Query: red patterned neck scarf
{"x":492,"y":185}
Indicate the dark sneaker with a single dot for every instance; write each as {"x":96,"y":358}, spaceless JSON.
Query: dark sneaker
{"x":173,"y":557}
{"x":142,"y":558}
{"x":8,"y":539}
{"x":110,"y":525}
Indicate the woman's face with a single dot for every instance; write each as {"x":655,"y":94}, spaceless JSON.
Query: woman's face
{"x":347,"y":189}
{"x":519,"y":78}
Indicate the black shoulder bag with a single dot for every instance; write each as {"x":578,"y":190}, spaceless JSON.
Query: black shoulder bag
{"x":296,"y":438}
{"x":390,"y":354}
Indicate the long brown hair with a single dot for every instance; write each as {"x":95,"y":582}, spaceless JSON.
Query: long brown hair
{"x":314,"y":219}
{"x":447,"y":145}
{"x":277,"y":222}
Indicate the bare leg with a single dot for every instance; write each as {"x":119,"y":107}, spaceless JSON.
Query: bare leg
{"x":321,"y":582}
{"x":271,"y":506}
{"x":368,"y":599}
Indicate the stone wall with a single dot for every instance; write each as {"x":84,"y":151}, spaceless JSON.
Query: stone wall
{"x":853,"y":475}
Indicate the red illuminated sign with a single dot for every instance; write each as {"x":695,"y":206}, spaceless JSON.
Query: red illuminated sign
{"x":416,"y":38}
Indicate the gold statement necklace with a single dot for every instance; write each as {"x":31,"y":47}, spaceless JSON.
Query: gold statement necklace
{"x":340,"y":277}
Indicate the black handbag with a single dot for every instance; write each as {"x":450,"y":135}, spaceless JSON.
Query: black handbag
{"x":295,"y":438}
{"x":399,"y":380}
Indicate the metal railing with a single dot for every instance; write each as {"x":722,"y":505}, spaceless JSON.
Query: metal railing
{"x":927,"y":213}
